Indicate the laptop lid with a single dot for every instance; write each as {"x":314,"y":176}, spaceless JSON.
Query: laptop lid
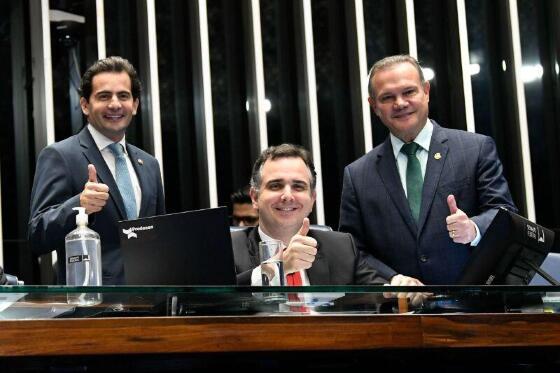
{"x":186,"y":248}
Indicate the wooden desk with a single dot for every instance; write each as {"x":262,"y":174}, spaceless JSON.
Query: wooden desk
{"x":57,"y":337}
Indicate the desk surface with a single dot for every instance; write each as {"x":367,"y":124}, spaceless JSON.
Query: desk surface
{"x":140,"y":320}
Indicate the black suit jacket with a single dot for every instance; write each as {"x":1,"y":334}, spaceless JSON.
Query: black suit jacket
{"x":374,"y":208}
{"x":60,"y":178}
{"x":337,"y":262}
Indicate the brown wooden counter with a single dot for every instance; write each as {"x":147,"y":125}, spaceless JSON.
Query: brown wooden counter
{"x":209,"y":334}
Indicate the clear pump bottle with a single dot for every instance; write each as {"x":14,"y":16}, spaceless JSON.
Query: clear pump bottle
{"x":83,"y":260}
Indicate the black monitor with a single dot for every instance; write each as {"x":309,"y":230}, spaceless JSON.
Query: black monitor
{"x":510,"y":252}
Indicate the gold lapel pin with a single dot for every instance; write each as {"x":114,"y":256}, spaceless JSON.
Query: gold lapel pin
{"x":437,"y":156}
{"x":141,"y":162}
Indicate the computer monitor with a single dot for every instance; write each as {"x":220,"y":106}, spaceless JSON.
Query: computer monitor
{"x":510,"y":252}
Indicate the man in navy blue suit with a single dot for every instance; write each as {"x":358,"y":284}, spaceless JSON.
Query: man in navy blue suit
{"x":428,"y":227}
{"x":81,"y":171}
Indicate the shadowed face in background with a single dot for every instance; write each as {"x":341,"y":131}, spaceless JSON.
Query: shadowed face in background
{"x":244,"y":215}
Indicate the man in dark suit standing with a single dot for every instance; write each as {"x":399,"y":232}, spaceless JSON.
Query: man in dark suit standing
{"x":422,"y":199}
{"x":283,"y":192}
{"x":98,"y":170}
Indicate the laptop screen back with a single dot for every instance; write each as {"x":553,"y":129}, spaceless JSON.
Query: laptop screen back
{"x":186,"y":248}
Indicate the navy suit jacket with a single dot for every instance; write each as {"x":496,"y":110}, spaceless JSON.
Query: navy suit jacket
{"x":374,"y":208}
{"x":337,"y":262}
{"x":60,"y":176}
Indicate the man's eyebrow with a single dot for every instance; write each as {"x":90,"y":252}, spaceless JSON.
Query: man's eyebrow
{"x":111,"y":92}
{"x":275,"y":181}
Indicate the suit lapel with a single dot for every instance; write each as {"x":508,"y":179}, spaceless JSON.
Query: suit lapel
{"x":93,"y":155}
{"x":436,"y":160}
{"x":253,"y":246}
{"x":389,"y":175}
{"x":319,"y":273}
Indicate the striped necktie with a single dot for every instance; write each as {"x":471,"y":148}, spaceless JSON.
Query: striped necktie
{"x":123,"y":180}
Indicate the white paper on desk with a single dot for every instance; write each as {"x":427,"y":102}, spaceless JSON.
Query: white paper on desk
{"x":551,"y":297}
{"x":315,"y":299}
{"x":7,"y":299}
{"x":12,"y":308}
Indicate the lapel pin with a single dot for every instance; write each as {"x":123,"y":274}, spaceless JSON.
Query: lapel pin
{"x":437,"y":156}
{"x":141,"y":162}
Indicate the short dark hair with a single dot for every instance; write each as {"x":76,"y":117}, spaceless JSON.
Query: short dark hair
{"x":110,"y":64}
{"x":241,"y":196}
{"x":389,"y":62}
{"x":282,"y":151}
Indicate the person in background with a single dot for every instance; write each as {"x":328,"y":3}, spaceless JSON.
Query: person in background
{"x":96,"y":169}
{"x":423,"y":198}
{"x":243,"y":212}
{"x":283,"y":191}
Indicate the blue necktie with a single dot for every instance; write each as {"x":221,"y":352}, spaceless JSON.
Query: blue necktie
{"x":123,"y":180}
{"x":414,"y":179}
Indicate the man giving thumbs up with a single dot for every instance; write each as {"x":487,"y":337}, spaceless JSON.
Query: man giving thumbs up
{"x":82,"y":170}
{"x":283,"y":192}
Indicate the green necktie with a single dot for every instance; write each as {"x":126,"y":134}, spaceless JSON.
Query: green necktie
{"x":414,"y":179}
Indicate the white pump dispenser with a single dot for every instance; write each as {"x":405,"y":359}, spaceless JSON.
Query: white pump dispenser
{"x":81,"y":217}
{"x":83,"y":260}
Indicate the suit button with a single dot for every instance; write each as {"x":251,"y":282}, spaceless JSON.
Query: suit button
{"x":423,"y":258}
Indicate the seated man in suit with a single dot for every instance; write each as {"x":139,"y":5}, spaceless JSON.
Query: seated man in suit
{"x":98,"y":170}
{"x":283,"y":191}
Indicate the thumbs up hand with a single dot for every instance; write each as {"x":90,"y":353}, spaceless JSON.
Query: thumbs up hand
{"x":95,"y":195}
{"x":300,"y":253}
{"x":461,"y":229}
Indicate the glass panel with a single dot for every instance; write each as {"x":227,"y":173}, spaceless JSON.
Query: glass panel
{"x":229,"y":96}
{"x":176,"y":102}
{"x":280,"y":57}
{"x":16,"y":137}
{"x":333,"y":99}
{"x":438,"y":52}
{"x":539,"y":31}
{"x":381,"y":21}
{"x":73,"y":49}
{"x":493,"y":87}
{"x":39,"y":302}
{"x":121,"y":39}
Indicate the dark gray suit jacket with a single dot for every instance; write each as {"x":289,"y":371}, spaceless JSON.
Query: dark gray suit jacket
{"x":60,"y":177}
{"x":337,"y":261}
{"x":374,"y":208}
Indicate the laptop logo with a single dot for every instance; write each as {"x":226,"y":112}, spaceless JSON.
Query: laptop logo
{"x":130,"y":232}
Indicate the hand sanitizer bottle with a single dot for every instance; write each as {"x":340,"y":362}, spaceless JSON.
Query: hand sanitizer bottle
{"x":83,"y":260}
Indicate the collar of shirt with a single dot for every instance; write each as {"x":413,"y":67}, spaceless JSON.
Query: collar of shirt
{"x":103,"y":141}
{"x":266,"y":237}
{"x":423,"y":139}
